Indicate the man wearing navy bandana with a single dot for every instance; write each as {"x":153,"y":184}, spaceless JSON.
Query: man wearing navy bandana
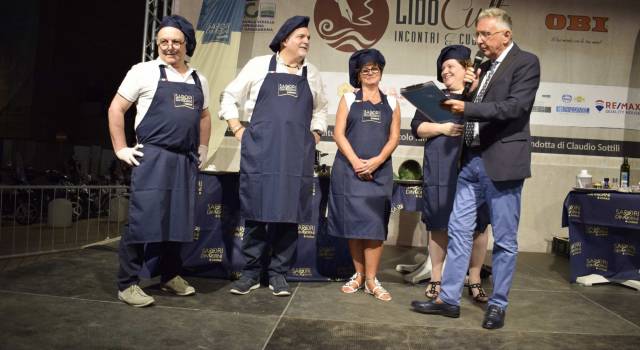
{"x":282,"y":99}
{"x":173,"y":125}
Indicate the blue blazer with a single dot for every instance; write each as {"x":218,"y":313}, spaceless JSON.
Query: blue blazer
{"x":503,"y":116}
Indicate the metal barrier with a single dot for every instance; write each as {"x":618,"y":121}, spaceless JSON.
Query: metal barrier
{"x":45,"y":219}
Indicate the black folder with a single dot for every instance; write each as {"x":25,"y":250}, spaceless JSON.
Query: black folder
{"x":426,"y":97}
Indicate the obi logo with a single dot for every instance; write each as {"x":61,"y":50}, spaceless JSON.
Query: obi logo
{"x":599,"y":105}
{"x":351,"y":25}
{"x":288,"y":90}
{"x":371,"y":116}
{"x":566,"y":98}
{"x":180,"y":100}
{"x":555,"y":21}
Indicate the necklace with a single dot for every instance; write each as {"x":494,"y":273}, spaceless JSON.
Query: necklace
{"x":296,"y":66}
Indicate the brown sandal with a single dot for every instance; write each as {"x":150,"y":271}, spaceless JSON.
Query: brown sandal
{"x":481,"y":297}
{"x":432,"y":292}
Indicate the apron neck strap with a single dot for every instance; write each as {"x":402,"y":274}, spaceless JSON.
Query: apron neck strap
{"x":272,"y":64}
{"x":383,"y":97}
{"x":359,"y":95}
{"x":196,"y":79}
{"x":163,"y":73}
{"x":163,"y":76}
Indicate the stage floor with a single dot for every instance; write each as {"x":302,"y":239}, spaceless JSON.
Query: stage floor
{"x":68,"y":301}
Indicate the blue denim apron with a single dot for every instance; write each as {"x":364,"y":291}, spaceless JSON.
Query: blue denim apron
{"x":360,"y":209}
{"x":277,"y":151}
{"x":163,"y":185}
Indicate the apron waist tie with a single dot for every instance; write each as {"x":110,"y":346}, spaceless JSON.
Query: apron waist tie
{"x":191,"y":155}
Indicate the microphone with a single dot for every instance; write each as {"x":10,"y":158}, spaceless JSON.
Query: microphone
{"x":476,"y":64}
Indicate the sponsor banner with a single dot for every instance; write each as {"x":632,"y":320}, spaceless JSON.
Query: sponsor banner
{"x":218,"y":18}
{"x":585,"y":106}
{"x":570,"y":41}
{"x":587,"y":50}
{"x":259,"y":16}
{"x":218,"y":36}
{"x":555,"y":104}
{"x":587,"y":147}
{"x":554,"y":145}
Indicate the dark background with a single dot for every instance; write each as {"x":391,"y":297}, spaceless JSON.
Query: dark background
{"x":61,"y":63}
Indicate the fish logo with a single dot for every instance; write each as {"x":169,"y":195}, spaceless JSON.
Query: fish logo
{"x":351,"y":25}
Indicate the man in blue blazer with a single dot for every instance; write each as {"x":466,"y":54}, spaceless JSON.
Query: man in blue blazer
{"x":495,"y":161}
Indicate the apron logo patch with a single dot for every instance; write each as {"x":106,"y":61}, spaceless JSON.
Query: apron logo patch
{"x":370,"y":116}
{"x":288,"y":90}
{"x":180,"y":100}
{"x":212,"y":254}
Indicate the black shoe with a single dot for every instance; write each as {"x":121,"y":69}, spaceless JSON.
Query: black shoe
{"x":433,"y":308}
{"x":244,"y":285}
{"x":493,"y":318}
{"x":278,"y":284}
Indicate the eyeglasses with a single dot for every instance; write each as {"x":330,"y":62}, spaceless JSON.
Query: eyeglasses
{"x":487,"y":35}
{"x":164,"y":44}
{"x":370,"y":71}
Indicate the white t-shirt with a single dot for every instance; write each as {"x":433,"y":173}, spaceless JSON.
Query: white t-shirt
{"x":141,"y":83}
{"x":239,"y":97}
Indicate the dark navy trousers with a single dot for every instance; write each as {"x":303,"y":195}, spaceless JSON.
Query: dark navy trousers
{"x":165,"y":255}
{"x":268,"y":245}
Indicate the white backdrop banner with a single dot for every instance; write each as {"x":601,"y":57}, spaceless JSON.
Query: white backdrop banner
{"x":588,"y":49}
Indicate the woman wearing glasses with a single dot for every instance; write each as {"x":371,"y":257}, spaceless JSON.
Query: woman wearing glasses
{"x":440,"y":167}
{"x":367,"y":131}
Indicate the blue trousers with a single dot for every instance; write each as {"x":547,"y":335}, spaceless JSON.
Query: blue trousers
{"x":474,"y":188}
{"x":270,"y":246}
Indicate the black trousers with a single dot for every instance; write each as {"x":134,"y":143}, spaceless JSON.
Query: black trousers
{"x":132,"y":257}
{"x":270,"y":246}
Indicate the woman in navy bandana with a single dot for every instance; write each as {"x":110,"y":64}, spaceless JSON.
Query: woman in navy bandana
{"x":440,"y":168}
{"x":367,"y":131}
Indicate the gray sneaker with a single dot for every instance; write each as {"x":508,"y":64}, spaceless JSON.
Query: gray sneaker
{"x":244,"y":285}
{"x":179,"y":286}
{"x":135,"y":296}
{"x":278,"y":284}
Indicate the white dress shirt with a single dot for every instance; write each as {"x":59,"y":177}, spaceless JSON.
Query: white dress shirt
{"x":141,"y":83}
{"x":239,"y":97}
{"x":476,"y":126}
